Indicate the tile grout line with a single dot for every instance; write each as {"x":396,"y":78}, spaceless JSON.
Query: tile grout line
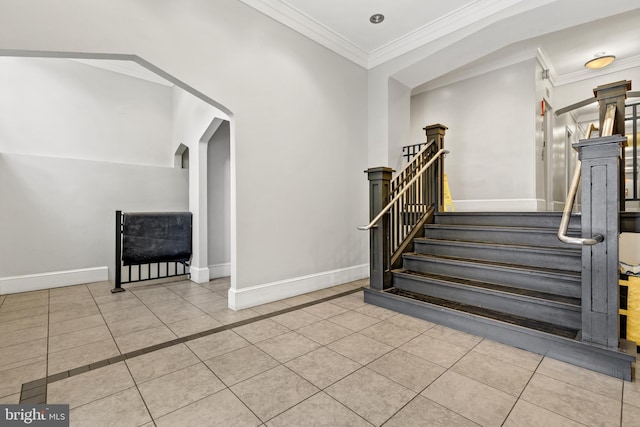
{"x":393,"y":380}
{"x":280,"y":364}
{"x":38,"y":394}
{"x":323,"y":390}
{"x":154,"y":313}
{"x":571,"y":385}
{"x":522,"y":391}
{"x":622,"y":404}
{"x":227,"y":387}
{"x":427,"y":386}
{"x":43,"y":382}
{"x":200,"y":360}
{"x":105,"y":320}
{"x":144,"y":402}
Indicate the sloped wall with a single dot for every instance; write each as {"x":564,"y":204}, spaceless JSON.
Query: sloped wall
{"x":77,"y":143}
{"x":63,"y":108}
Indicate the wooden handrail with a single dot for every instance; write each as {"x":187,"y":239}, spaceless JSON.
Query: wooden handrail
{"x":406,"y":187}
{"x":400,"y":177}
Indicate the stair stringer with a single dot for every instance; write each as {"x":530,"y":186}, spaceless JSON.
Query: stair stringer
{"x":607,"y":361}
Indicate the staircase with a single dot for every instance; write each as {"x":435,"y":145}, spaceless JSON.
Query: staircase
{"x":505,"y":276}
{"x":508,"y":276}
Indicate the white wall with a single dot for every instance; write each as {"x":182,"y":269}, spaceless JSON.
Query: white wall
{"x":77,"y":143}
{"x":298,"y":128}
{"x":219,"y":202}
{"x":194,"y":123}
{"x":59,"y":214}
{"x":399,"y":122}
{"x":190,"y":118}
{"x":491,"y":137}
{"x":63,"y":108}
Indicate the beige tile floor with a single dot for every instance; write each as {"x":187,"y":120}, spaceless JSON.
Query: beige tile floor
{"x":336,"y":363}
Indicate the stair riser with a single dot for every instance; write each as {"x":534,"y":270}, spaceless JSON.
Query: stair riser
{"x":558,"y":261}
{"x":506,"y":237}
{"x":506,"y":220}
{"x":559,"y":285}
{"x":531,"y":308}
{"x":612,"y":363}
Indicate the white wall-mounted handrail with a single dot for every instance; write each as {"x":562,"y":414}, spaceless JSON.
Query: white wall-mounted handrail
{"x":406,"y":187}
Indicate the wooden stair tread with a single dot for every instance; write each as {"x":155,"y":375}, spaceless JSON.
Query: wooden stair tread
{"x":491,"y":314}
{"x":497,"y":264}
{"x":495,"y":245}
{"x":495,"y":287}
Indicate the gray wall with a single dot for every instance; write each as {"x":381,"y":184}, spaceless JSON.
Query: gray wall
{"x":219,"y":193}
{"x":491,"y":137}
{"x":62,"y":108}
{"x":59,"y":214}
{"x":299,"y":117}
{"x":78,"y":143}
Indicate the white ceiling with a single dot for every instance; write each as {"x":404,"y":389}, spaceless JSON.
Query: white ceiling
{"x":569,"y":49}
{"x":564,"y":52}
{"x":350,"y":19}
{"x":344,"y":27}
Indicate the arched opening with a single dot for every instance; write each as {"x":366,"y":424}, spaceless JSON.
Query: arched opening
{"x":219,"y":201}
{"x":182,"y":157}
{"x":125,"y":141}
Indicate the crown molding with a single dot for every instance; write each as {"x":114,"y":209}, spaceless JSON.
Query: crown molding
{"x":457,"y":19}
{"x":311,"y":28}
{"x":618,"y":65}
{"x":546,"y":63}
{"x":462,"y":17}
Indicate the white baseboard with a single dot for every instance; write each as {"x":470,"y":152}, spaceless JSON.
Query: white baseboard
{"x":499,"y":205}
{"x":199,"y":275}
{"x":219,"y":270}
{"x":274,"y":291}
{"x":56,"y":279}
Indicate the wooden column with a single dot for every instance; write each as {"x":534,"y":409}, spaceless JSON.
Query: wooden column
{"x":379,"y":256}
{"x":437,"y":132}
{"x":601,"y":162}
{"x":614,"y":93}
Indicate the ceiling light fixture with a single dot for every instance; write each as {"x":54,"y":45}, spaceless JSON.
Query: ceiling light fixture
{"x":600,"y":60}
{"x":377,"y":18}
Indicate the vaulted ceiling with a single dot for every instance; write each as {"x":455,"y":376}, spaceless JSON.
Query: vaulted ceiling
{"x":343,"y":26}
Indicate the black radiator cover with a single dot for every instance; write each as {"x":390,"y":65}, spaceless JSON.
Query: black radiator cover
{"x":156,"y":237}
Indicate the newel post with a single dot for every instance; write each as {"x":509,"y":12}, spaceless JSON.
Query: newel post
{"x":437,"y":132}
{"x":616,"y":94}
{"x":601,"y":161}
{"x":379,"y":256}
